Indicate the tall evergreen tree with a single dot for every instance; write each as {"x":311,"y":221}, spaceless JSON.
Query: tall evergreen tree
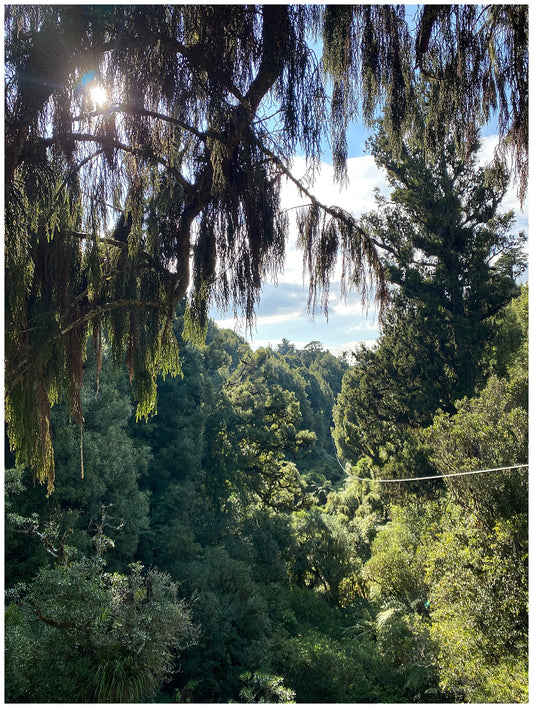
{"x":447,"y":249}
{"x":452,"y":261}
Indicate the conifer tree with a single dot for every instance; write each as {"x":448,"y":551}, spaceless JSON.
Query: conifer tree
{"x":452,"y":262}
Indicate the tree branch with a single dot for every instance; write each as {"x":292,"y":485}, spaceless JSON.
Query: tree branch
{"x":107,"y":308}
{"x":132,"y":109}
{"x":65,"y":624}
{"x":106,"y":143}
{"x":334,"y":212}
{"x":275,"y":18}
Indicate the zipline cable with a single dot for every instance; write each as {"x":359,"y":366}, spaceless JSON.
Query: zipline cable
{"x":436,"y":476}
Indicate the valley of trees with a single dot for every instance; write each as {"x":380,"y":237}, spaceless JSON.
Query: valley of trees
{"x":186,"y":519}
{"x":219,"y":552}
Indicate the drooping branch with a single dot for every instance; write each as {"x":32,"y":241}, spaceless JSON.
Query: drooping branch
{"x":107,"y":307}
{"x":110,"y":143}
{"x":186,"y":150}
{"x":135,"y":110}
{"x":368,"y":245}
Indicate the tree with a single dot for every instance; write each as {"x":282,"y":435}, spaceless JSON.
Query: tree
{"x":112,"y":466}
{"x":234,"y":626}
{"x":396,"y":568}
{"x":101,"y":467}
{"x":478,"y":605}
{"x":258,"y":436}
{"x":77,"y":633}
{"x":506,"y":355}
{"x":446,"y":248}
{"x":394,"y":389}
{"x":262,"y":688}
{"x":470,"y":59}
{"x":453,"y":263}
{"x":178,"y":435}
{"x":163,"y":117}
{"x":488,"y":431}
{"x":324,"y":556}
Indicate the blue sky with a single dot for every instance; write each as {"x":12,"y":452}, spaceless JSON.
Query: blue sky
{"x":282,"y":311}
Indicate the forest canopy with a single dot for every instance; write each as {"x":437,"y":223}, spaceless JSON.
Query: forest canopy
{"x":219,"y":554}
{"x":144,"y":148}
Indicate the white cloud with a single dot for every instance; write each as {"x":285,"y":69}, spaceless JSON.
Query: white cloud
{"x":366,"y":327}
{"x":283,"y":313}
{"x":273,"y":343}
{"x":345,"y":309}
{"x":357,"y":198}
{"x":262,"y":321}
{"x":279,"y":318}
{"x":339,"y":350}
{"x":227,"y":323}
{"x":510,"y":202}
{"x":488,"y":145}
{"x":350,"y":347}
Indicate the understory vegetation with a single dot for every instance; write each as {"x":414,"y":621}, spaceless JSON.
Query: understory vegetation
{"x":220,"y":553}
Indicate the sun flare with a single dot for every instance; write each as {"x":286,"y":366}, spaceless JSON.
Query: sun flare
{"x":98,"y":95}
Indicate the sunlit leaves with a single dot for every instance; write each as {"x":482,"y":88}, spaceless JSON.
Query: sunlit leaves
{"x":479,"y":607}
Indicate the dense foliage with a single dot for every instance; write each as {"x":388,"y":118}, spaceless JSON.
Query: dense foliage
{"x":452,"y":262}
{"x":145,"y":150}
{"x":300,"y":584}
{"x":287,"y":526}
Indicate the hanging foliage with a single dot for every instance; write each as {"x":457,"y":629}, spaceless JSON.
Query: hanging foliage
{"x":144,"y":152}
